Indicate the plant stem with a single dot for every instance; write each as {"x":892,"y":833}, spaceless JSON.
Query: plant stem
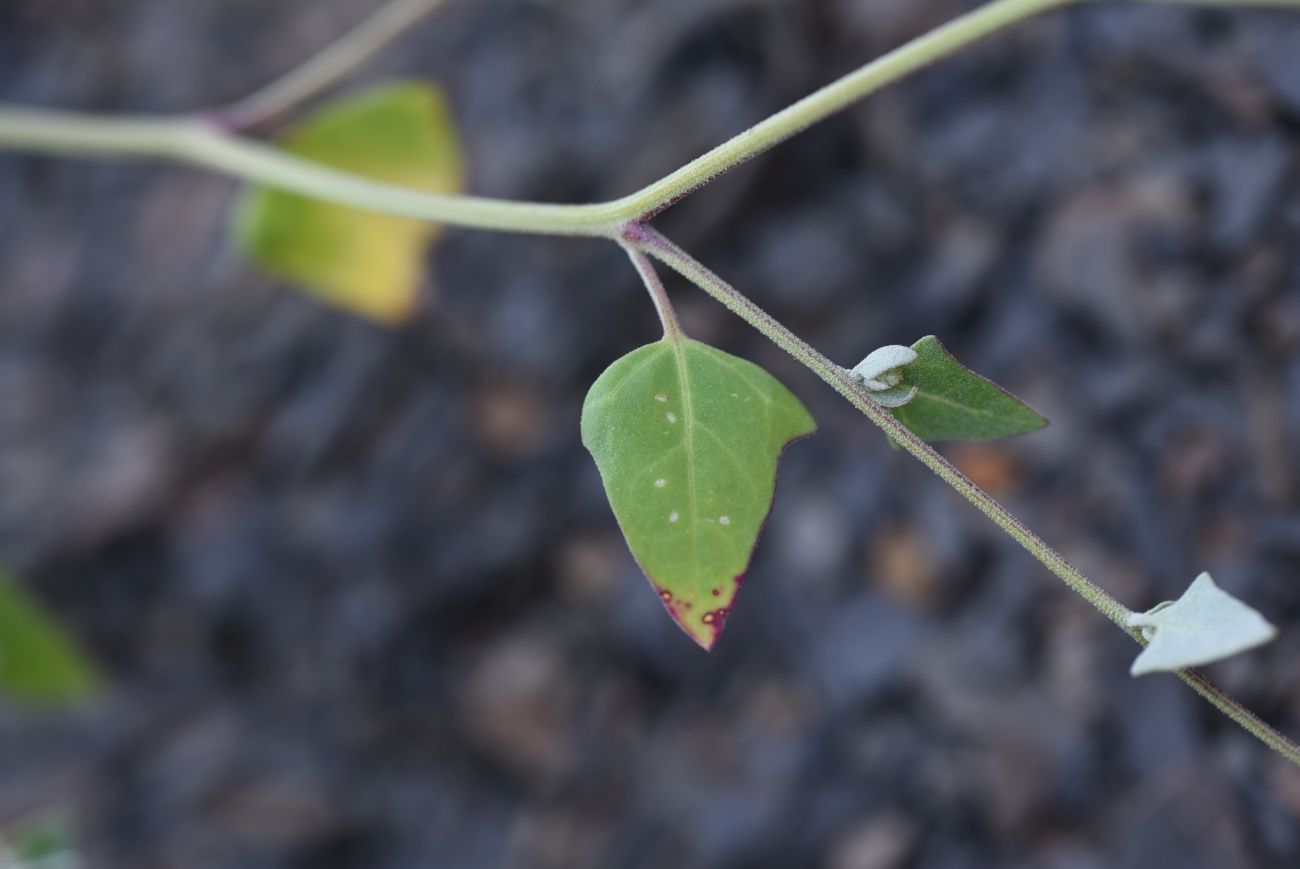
{"x":833,"y":98}
{"x":649,"y":277}
{"x":842,"y":381}
{"x":1248,"y":720}
{"x":923,"y":51}
{"x":204,"y":142}
{"x":209,"y":146}
{"x":200,"y":143}
{"x":326,"y":67}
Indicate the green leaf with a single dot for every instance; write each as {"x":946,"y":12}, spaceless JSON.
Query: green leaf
{"x":39,"y":662}
{"x":954,"y":403}
{"x":368,"y":263}
{"x":687,"y":439}
{"x":43,"y":842}
{"x":1205,"y":624}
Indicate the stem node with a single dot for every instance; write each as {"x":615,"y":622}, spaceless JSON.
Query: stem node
{"x":635,"y":232}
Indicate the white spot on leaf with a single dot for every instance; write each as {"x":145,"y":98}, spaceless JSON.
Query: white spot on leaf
{"x":672,"y":417}
{"x":724,"y":520}
{"x":672,"y":517}
{"x":661,"y":397}
{"x":659,"y":484}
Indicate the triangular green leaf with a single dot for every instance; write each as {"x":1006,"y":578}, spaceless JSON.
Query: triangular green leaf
{"x":954,"y":403}
{"x":1205,"y":624}
{"x":39,"y":662}
{"x":687,"y":439}
{"x":371,"y":264}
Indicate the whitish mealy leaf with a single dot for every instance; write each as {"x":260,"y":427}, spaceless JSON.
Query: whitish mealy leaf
{"x":880,"y":370}
{"x":368,"y":263}
{"x":687,"y":439}
{"x":954,"y":403}
{"x":881,"y":373}
{"x":39,"y":662}
{"x":1205,"y":624}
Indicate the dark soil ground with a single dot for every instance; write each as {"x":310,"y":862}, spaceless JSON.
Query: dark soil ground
{"x":359,"y":593}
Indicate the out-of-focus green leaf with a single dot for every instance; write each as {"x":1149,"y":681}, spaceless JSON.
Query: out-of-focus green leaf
{"x":687,"y":439}
{"x":40,"y":663}
{"x":368,"y":263}
{"x":1206,"y":624}
{"x":46,"y":843}
{"x":954,"y":403}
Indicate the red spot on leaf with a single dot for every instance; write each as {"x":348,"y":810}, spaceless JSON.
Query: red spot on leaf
{"x":676,"y":608}
{"x":707,"y":627}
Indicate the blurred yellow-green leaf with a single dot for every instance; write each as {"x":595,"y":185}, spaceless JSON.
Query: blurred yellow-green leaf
{"x":40,"y":663}
{"x":41,"y":843}
{"x":368,"y":263}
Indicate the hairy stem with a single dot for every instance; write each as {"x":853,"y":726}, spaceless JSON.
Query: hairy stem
{"x":842,"y":381}
{"x":327,"y":67}
{"x":209,"y":146}
{"x":1248,"y":720}
{"x":205,"y":142}
{"x":659,"y":295}
{"x":856,"y":392}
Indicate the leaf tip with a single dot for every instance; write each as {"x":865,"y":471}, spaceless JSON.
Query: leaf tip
{"x":704,"y":627}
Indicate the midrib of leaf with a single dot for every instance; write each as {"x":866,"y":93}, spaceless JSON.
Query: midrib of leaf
{"x":678,"y":343}
{"x":964,"y":408}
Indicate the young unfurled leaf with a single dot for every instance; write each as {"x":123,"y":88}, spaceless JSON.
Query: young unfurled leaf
{"x":687,"y":439}
{"x":39,"y":662}
{"x":882,"y":373}
{"x":371,"y":264}
{"x":954,"y":403}
{"x":1206,"y":624}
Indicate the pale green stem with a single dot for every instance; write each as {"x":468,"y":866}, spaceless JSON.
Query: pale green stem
{"x":202,"y":144}
{"x":843,"y":382}
{"x":653,"y":285}
{"x":844,"y":92}
{"x":326,"y":67}
{"x":833,"y":98}
{"x":208,"y":146}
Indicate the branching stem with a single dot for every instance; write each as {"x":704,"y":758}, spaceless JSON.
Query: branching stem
{"x":842,"y":381}
{"x":209,"y":145}
{"x":205,"y":140}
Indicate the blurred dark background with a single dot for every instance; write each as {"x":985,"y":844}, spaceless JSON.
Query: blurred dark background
{"x":358,"y":590}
